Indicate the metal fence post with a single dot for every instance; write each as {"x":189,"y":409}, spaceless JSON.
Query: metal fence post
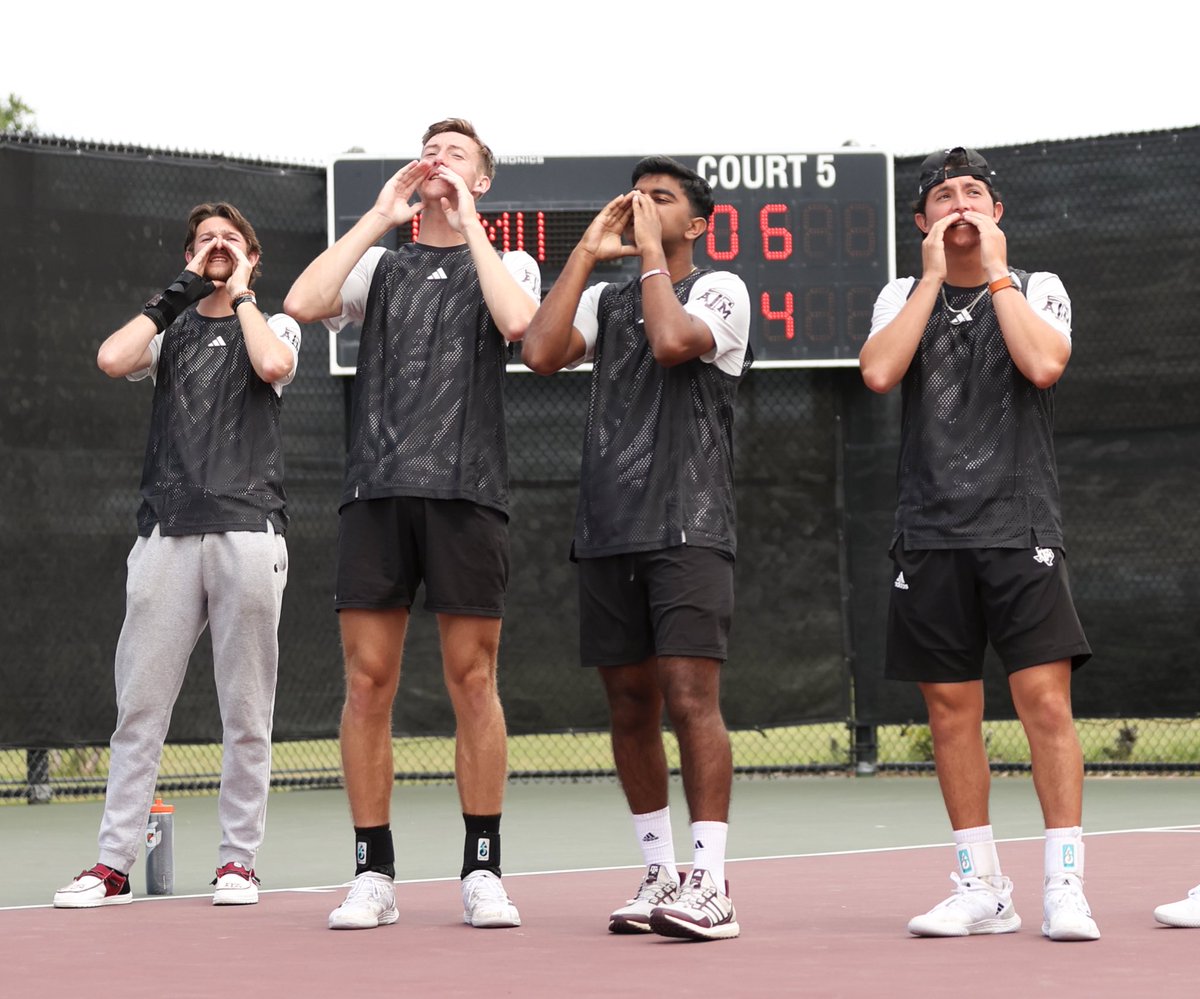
{"x":866,"y":750}
{"x":37,"y":777}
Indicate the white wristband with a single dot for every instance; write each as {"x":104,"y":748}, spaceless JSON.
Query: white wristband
{"x":657,"y":270}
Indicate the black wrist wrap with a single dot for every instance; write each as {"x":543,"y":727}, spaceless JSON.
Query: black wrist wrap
{"x":164,"y":308}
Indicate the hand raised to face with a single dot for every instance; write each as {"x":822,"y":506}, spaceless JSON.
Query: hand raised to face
{"x":647,"y":225}
{"x":933,"y":246}
{"x":199,"y":259}
{"x":459,"y":205}
{"x":993,"y":245}
{"x":393,"y":199}
{"x":239,"y":280}
{"x":604,"y":236}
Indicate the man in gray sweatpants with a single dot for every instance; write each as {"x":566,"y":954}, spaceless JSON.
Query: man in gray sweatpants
{"x":210,"y":549}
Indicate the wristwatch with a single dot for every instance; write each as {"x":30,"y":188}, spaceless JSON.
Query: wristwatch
{"x":1010,"y":280}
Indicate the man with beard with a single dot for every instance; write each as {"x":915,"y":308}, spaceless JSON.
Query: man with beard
{"x":210,"y":547}
{"x":977,"y":349}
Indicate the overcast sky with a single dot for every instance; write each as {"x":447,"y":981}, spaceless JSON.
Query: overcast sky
{"x":277,"y":81}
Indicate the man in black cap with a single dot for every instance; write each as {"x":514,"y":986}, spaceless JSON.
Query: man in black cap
{"x":977,"y":349}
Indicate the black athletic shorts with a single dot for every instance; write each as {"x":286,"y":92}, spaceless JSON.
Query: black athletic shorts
{"x":388,"y":547}
{"x":948,"y":603}
{"x":671,"y":602}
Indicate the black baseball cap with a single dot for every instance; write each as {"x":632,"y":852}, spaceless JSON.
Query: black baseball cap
{"x":970,"y":164}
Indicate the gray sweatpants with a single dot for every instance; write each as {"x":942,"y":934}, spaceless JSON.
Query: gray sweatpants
{"x":234,"y":583}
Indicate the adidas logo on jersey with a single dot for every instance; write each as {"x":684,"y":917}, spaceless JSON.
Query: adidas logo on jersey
{"x":219,"y":342}
{"x":438,"y":275}
{"x":900,"y":584}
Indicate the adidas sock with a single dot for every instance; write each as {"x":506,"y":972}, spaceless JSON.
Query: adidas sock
{"x":975,"y":852}
{"x":653,"y":831}
{"x":1064,"y":851}
{"x":373,"y":850}
{"x":708,"y":846}
{"x":481,"y":848}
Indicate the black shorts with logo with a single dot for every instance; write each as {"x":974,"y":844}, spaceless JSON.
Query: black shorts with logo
{"x":670,"y":602}
{"x":947,"y":604}
{"x":387,"y":547}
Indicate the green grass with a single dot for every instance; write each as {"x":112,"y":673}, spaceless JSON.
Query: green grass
{"x":1123,"y":741}
{"x":1104,"y":740}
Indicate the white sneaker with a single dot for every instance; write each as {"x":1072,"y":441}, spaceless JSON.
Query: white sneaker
{"x":98,"y":886}
{"x":371,"y":903}
{"x":486,"y":903}
{"x":634,"y":915}
{"x":978,"y":905}
{"x":700,"y":912}
{"x":1067,"y":916}
{"x":235,"y":885}
{"x":1185,"y":913}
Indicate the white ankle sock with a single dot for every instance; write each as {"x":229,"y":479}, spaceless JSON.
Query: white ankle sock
{"x":708,"y":844}
{"x":653,"y":831}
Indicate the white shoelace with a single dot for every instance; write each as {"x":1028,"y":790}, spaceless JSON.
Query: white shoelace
{"x":367,"y":890}
{"x":487,"y":890}
{"x":654,"y":892}
{"x":1068,"y":895}
{"x":963,"y":887}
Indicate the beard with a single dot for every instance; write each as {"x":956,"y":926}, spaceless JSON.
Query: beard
{"x":219,"y":270}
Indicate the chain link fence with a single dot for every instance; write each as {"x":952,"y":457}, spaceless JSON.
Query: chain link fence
{"x":94,"y":230}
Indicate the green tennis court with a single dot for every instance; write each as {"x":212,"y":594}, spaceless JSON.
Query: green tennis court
{"x":570,"y":826}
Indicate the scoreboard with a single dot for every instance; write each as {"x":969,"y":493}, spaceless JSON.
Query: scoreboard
{"x":810,"y":233}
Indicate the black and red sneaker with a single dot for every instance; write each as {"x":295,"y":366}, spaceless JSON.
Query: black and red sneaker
{"x":236,"y":885}
{"x":101,"y":885}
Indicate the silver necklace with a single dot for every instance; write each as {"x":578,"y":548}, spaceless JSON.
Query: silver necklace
{"x":961,"y":315}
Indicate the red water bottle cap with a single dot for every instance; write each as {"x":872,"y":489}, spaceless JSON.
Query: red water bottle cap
{"x":158,"y":806}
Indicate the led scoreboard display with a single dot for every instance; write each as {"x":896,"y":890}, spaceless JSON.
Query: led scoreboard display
{"x":809,"y":233}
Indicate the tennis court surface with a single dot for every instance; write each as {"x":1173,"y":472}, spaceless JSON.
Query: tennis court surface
{"x":826,"y":873}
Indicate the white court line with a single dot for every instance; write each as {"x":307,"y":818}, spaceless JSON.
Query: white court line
{"x":950,"y":843}
{"x":318,"y":889}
